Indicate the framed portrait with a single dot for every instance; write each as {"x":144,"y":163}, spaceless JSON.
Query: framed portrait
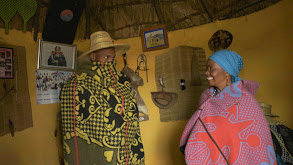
{"x":56,"y":56}
{"x":154,"y":38}
{"x":6,"y":63}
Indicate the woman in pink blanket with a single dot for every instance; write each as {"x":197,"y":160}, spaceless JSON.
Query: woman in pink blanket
{"x":228,"y":126}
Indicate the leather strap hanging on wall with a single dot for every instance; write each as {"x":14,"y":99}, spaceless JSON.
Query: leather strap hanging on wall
{"x":62,"y":20}
{"x":164,"y":100}
{"x":135,"y":82}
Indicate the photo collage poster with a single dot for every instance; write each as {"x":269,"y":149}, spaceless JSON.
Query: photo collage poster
{"x":49,"y":84}
{"x":6,"y":63}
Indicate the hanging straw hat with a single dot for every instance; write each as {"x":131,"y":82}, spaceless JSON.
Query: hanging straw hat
{"x":102,"y":40}
{"x":266,"y":109}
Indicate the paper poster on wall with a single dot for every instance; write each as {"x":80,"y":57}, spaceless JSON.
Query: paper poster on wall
{"x":49,"y":84}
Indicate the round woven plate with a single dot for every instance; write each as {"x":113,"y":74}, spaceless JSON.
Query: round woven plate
{"x":221,"y":39}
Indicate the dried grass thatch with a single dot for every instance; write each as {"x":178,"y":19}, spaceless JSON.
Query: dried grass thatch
{"x":126,"y":18}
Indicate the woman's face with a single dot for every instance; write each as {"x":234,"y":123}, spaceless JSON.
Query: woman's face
{"x":216,"y":75}
{"x":103,"y":55}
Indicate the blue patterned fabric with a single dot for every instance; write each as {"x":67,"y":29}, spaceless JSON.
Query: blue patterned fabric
{"x":230,"y":61}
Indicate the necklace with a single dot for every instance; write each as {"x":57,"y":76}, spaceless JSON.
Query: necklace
{"x":214,"y":92}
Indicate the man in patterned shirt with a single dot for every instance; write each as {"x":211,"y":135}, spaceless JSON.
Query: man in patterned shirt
{"x":99,"y":113}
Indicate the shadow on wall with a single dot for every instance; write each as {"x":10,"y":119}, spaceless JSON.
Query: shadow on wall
{"x":9,"y":157}
{"x":169,"y":140}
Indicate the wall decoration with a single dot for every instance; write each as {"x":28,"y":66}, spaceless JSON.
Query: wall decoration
{"x":49,"y":84}
{"x":26,"y":9}
{"x":221,"y":39}
{"x":15,"y":105}
{"x":162,"y":99}
{"x":142,"y":65}
{"x":174,"y":66}
{"x":154,"y":38}
{"x":62,"y":19}
{"x":136,"y":81}
{"x":7,"y":12}
{"x":56,"y":56}
{"x":6,"y":63}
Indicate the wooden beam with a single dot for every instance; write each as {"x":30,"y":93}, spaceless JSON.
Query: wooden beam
{"x":233,"y":13}
{"x":36,"y":19}
{"x":158,"y":11}
{"x":209,"y":10}
{"x":136,"y":3}
{"x":87,"y":20}
{"x":170,"y":25}
{"x":134,"y":25}
{"x":97,"y":17}
{"x":227,"y":7}
{"x":43,"y":3}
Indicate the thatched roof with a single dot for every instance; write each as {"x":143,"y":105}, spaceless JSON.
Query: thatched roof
{"x":126,"y":18}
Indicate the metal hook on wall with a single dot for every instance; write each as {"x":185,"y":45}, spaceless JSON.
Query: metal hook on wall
{"x":142,"y":65}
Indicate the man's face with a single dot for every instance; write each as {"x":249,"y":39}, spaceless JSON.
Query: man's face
{"x":57,"y":50}
{"x":103,"y":55}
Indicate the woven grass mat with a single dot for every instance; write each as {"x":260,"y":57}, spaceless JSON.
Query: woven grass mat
{"x":16,"y":106}
{"x":183,"y":62}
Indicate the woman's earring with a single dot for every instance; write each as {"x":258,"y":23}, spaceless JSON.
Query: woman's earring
{"x":227,"y":81}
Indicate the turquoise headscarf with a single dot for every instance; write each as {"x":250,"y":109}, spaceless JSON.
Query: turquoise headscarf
{"x":230,"y":61}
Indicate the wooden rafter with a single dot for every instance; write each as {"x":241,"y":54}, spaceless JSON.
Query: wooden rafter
{"x":158,"y":11}
{"x":170,"y":25}
{"x":228,"y":7}
{"x":87,"y":20}
{"x":43,"y":3}
{"x":134,"y":3}
{"x":36,"y":19}
{"x":134,"y":25}
{"x":97,"y":17}
{"x":248,"y":6}
{"x":209,"y":10}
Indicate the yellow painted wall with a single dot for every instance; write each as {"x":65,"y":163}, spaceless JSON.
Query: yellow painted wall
{"x":263,"y":39}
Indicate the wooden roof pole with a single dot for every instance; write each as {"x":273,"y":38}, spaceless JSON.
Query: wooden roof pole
{"x":87,"y":20}
{"x":209,"y":10}
{"x":158,"y":11}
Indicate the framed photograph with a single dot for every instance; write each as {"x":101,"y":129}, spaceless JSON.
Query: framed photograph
{"x":154,"y":38}
{"x":6,"y":63}
{"x":56,"y":56}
